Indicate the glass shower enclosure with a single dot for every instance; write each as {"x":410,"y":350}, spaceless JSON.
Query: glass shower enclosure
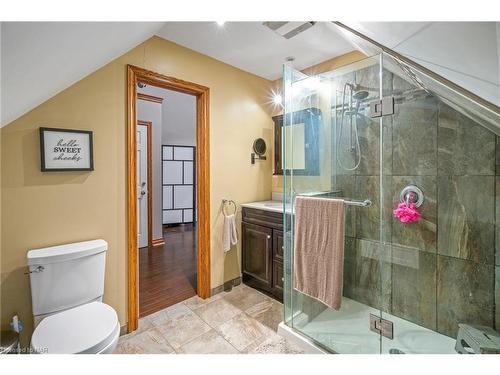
{"x":378,"y":133}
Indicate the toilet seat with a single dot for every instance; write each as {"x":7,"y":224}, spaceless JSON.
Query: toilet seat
{"x":89,"y":328}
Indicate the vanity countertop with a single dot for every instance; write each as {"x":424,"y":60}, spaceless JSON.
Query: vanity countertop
{"x":274,"y":206}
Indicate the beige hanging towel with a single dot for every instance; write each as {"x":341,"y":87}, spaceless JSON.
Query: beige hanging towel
{"x":319,"y":249}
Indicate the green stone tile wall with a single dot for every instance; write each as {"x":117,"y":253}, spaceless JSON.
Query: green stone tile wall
{"x":444,"y":269}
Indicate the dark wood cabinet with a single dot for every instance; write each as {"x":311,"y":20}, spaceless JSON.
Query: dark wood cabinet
{"x":278,"y":278}
{"x":278,"y":248}
{"x":262,"y":251}
{"x":257,"y":242}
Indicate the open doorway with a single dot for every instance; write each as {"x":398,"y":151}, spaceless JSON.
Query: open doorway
{"x":168,"y":198}
{"x":166,"y":203}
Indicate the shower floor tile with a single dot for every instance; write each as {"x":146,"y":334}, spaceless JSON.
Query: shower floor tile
{"x":348,"y":331}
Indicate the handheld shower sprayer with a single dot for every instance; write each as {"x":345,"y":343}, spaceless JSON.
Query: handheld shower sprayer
{"x":350,"y":110}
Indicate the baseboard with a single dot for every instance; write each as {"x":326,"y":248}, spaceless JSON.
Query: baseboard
{"x":227,"y":286}
{"x":158,"y":242}
{"x":123,"y":330}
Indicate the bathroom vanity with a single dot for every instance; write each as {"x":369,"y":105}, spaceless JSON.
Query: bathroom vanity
{"x":263,"y":246}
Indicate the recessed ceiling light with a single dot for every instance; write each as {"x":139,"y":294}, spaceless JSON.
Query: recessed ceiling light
{"x":220,"y":23}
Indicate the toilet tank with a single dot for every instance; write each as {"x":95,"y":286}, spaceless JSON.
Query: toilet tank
{"x":66,"y":276}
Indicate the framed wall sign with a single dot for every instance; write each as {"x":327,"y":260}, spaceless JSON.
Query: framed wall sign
{"x":66,"y":150}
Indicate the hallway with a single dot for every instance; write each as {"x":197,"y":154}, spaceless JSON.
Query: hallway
{"x":167,"y":274}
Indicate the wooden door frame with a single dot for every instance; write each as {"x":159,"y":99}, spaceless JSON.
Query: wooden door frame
{"x":202,"y":93}
{"x":149,"y":127}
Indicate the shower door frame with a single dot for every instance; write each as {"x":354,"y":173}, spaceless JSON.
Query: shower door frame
{"x":290,"y":313}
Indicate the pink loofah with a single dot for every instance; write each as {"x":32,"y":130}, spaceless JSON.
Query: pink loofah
{"x":407,"y":213}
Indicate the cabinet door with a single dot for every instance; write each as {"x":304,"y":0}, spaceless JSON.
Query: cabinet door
{"x":257,"y":252}
{"x":278,"y":279}
{"x":278,"y":245}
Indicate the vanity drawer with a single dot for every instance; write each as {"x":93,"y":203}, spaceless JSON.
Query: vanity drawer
{"x":268,"y":219}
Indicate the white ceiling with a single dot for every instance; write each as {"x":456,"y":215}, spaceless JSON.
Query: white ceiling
{"x":40,"y":59}
{"x":255,"y":48}
{"x":467,"y":53}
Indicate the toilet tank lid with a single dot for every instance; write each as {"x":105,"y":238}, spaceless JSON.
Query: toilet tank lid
{"x":65,"y":252}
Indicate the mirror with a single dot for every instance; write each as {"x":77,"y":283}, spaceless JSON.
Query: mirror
{"x":259,"y":147}
{"x":301,"y":128}
{"x":296,"y":136}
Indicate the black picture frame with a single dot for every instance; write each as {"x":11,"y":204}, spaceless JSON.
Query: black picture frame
{"x":43,"y":164}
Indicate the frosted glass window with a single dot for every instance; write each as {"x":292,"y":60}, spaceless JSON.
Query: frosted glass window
{"x":172,"y":172}
{"x":172,"y":217}
{"x":183,"y":153}
{"x":188,"y":216}
{"x":183,"y":196}
{"x":168,"y":153}
{"x":167,"y":198}
{"x":188,"y":172}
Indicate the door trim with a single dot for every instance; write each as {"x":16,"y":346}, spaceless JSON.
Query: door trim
{"x":202,"y":94}
{"x":149,"y":127}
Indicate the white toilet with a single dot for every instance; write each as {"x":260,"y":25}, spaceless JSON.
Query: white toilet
{"x":67,"y":285}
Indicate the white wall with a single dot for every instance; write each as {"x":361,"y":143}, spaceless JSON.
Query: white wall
{"x":178,"y":116}
{"x":179,"y":119}
{"x":151,"y":111}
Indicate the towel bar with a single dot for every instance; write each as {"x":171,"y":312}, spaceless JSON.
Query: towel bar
{"x":357,"y":203}
{"x":365,"y":203}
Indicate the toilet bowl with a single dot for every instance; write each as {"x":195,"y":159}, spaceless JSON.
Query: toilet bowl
{"x":91,"y":328}
{"x":67,"y":287}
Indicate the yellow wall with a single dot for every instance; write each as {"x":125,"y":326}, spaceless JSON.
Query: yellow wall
{"x":321,"y":182}
{"x":43,"y":209}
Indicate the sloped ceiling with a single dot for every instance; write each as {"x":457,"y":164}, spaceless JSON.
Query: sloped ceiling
{"x":40,"y":59}
{"x":467,"y":53}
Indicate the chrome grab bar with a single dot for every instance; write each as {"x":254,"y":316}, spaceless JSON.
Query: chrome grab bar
{"x":365,"y":203}
{"x":349,"y":202}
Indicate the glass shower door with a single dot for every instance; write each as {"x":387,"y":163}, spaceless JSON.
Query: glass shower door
{"x":441,"y":271}
{"x":331,"y":149}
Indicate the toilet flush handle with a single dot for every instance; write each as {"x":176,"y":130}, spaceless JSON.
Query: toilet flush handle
{"x":36,"y":270}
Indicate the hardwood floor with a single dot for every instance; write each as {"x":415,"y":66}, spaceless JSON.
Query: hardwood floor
{"x":167,"y":274}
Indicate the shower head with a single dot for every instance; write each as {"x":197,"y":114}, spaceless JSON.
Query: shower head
{"x":360,"y":95}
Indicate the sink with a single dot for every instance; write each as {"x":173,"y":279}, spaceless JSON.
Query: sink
{"x":274,"y":204}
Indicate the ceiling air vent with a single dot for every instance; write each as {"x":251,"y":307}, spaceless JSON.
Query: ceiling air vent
{"x":288,"y":29}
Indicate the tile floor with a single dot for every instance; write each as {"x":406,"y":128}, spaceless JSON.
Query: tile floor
{"x":240,"y":321}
